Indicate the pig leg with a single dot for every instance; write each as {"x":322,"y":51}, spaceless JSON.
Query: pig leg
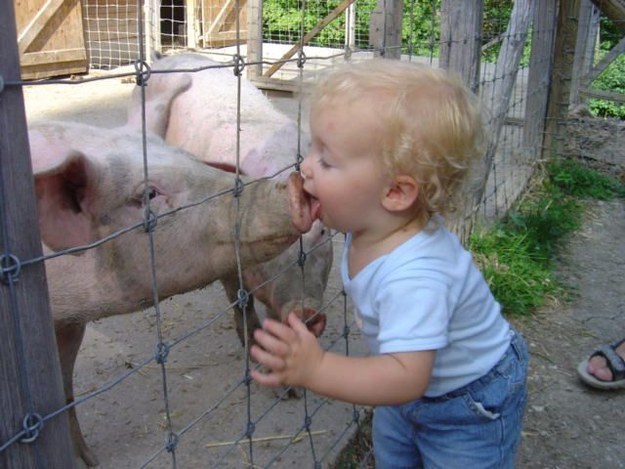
{"x":231,"y":286}
{"x":68,"y":339}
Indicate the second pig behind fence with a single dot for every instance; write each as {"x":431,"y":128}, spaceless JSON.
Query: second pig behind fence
{"x":195,"y":103}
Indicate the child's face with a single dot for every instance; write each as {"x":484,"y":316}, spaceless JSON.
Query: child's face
{"x":343,"y":168}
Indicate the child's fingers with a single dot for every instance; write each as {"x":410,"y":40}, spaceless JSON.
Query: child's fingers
{"x":271,"y":343}
{"x":279,"y":330}
{"x":267,"y":359}
{"x":265,"y":379}
{"x":297,"y":324}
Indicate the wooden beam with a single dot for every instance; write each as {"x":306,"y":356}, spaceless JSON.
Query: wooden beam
{"x":53,"y":56}
{"x":605,"y":61}
{"x":220,"y":19}
{"x":602,"y":94}
{"x":37,"y":25}
{"x":312,"y":33}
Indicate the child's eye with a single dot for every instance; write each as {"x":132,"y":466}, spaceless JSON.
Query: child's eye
{"x":323,"y":163}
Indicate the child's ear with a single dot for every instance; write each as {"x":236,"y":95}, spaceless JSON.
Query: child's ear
{"x":400,"y":194}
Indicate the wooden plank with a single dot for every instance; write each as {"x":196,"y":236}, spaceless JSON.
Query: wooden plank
{"x":461,"y":26}
{"x":385,"y":28}
{"x":28,"y":35}
{"x":254,"y":38}
{"x":311,"y":34}
{"x":564,"y":51}
{"x":50,"y":25}
{"x":461,"y":29}
{"x":602,"y":94}
{"x":191,"y":24}
{"x":617,"y":50}
{"x":53,"y":56}
{"x":219,"y":20}
{"x":31,"y":373}
{"x":538,"y":80}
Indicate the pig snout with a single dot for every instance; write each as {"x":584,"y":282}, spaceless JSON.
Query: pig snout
{"x":303,"y":212}
{"x":314,"y":320}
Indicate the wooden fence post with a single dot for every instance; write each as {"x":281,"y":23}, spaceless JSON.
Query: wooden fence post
{"x":461,"y":31}
{"x":385,"y":28}
{"x":564,"y":57}
{"x":539,"y":74}
{"x":254,"y":39}
{"x":30,"y":374}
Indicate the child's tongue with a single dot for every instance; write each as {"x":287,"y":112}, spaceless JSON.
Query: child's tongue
{"x":315,"y":208}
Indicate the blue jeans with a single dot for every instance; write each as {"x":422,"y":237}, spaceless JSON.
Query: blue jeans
{"x":477,"y":426}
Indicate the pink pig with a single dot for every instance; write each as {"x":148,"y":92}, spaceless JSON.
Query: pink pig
{"x":89,"y":184}
{"x":194,"y":106}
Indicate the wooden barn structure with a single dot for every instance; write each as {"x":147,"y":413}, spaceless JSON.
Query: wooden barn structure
{"x":65,"y":37}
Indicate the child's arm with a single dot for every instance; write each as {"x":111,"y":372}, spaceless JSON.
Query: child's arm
{"x":295,"y":358}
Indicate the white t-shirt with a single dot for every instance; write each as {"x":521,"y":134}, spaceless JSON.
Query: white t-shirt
{"x":427,"y":294}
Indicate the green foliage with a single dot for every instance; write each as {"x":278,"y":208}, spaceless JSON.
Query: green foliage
{"x":516,"y":254}
{"x":421,"y":28}
{"x":612,"y":79}
{"x":575,"y":179}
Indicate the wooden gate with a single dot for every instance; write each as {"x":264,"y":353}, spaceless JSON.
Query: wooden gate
{"x":219,"y":22}
{"x":50,"y":38}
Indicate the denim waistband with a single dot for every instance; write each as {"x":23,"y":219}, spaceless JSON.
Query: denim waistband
{"x":517,"y":348}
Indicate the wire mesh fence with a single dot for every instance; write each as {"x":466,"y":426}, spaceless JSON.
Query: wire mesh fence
{"x":168,"y":386}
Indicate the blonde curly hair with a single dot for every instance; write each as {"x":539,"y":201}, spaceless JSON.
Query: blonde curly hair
{"x":432,"y":124}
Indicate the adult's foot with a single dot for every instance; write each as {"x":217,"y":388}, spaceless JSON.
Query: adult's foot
{"x":605,"y":368}
{"x":598,"y":365}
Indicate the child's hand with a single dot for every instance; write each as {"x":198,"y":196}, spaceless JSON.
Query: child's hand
{"x":291,"y":353}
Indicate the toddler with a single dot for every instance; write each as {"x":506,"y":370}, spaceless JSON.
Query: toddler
{"x":391,"y":142}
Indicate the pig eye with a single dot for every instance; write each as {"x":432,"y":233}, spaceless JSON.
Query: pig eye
{"x":152,"y":193}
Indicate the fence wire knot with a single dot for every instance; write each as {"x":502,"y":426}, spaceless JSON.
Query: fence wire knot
{"x":32,"y":424}
{"x":238,"y":187}
{"x":298,"y":161}
{"x":143,"y":72}
{"x":251,"y":428}
{"x":301,"y":59}
{"x":239,"y":65}
{"x":10,"y":268}
{"x":172,"y":442}
{"x":243,"y":296}
{"x":149,"y":223}
{"x":247,"y":378}
{"x":301,"y":260}
{"x":162,"y":351}
{"x":307,"y":422}
{"x":346,"y":331}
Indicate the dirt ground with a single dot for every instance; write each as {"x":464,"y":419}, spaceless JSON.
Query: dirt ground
{"x":567,"y":425}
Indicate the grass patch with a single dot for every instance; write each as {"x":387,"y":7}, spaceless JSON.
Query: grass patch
{"x":516,"y":254}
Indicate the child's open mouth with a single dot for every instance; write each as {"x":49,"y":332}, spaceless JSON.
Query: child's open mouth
{"x":315,"y":207}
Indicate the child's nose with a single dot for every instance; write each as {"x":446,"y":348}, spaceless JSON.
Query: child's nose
{"x":305,"y":168}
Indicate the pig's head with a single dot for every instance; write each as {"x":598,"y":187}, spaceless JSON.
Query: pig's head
{"x":90,"y":184}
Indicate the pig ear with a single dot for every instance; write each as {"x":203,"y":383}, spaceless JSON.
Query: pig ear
{"x":61,"y":182}
{"x":159,"y":96}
